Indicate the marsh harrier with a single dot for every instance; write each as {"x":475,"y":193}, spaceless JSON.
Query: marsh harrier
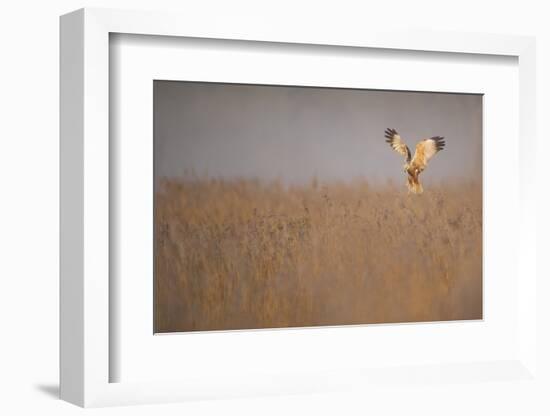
{"x":425,"y":150}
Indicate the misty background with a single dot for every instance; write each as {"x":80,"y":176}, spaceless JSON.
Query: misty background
{"x":297,"y":133}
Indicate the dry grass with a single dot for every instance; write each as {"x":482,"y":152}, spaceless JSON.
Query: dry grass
{"x":243,"y":254}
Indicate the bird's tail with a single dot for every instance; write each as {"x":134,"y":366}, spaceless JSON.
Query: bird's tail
{"x":414,"y":185}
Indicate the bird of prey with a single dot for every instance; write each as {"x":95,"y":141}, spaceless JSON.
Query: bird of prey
{"x":425,"y":150}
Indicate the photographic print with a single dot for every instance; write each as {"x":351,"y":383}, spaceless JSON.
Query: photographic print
{"x":290,"y":206}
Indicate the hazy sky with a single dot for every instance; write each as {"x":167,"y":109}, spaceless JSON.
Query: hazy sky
{"x":296,"y":133}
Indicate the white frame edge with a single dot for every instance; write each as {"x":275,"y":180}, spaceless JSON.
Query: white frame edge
{"x":84,"y":177}
{"x":71,"y":346}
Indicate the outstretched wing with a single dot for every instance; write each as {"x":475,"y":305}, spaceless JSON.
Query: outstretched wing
{"x":394,"y":139}
{"x":426,"y":149}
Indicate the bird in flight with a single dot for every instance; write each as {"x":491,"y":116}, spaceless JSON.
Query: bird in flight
{"x":425,"y":150}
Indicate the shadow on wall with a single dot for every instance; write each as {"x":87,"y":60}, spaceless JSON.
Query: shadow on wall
{"x":51,"y":390}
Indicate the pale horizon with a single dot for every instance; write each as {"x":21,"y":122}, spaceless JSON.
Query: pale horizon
{"x":294,"y":134}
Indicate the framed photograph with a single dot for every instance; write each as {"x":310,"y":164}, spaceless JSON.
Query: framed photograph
{"x":262,"y":211}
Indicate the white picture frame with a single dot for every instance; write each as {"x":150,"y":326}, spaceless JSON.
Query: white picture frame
{"x":85,"y":165}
